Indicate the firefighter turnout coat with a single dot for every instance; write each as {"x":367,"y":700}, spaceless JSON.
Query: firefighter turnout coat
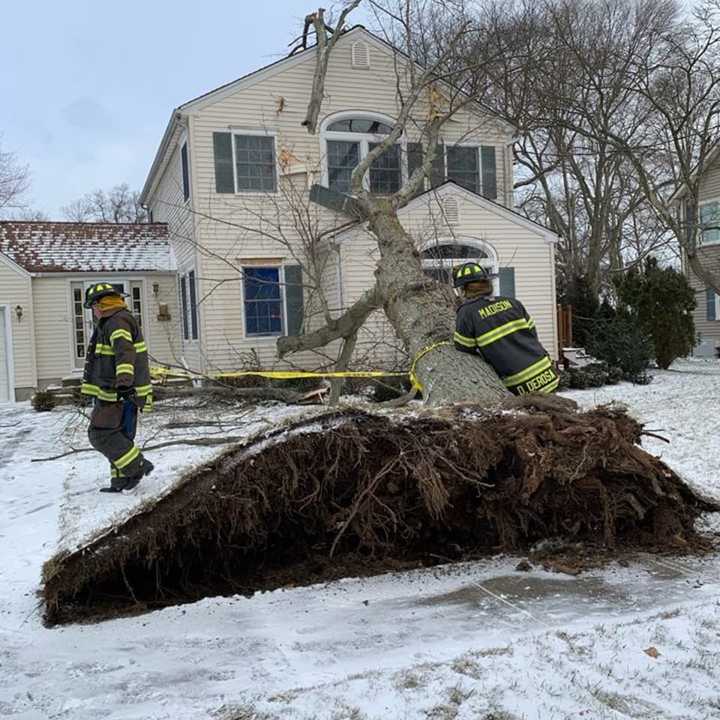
{"x":500,"y":329}
{"x":117,"y":357}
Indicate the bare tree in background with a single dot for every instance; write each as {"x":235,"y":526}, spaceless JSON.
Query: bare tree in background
{"x":669,"y":119}
{"x":117,"y":205}
{"x":565,"y":101}
{"x":14,"y":184}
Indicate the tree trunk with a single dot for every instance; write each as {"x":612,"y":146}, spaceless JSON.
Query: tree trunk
{"x":422,"y":314}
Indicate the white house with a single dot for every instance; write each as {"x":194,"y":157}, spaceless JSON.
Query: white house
{"x":707,"y":312}
{"x":235,"y":165}
{"x":44,"y":270}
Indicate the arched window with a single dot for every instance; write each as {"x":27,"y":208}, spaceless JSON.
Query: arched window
{"x":348,"y":139}
{"x":360,"y":125}
{"x":439,"y":258}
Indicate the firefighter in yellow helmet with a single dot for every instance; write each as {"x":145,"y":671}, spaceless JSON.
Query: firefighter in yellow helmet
{"x":501,"y":331}
{"x":117,"y":376}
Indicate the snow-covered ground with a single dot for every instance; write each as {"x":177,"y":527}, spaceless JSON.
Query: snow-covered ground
{"x":475,"y":640}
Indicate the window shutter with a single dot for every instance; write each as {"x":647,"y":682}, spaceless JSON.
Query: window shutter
{"x":507,"y":282}
{"x":489,"y":172}
{"x":183,"y":302}
{"x":710,"y":297}
{"x":294,"y":299}
{"x":185,"y":172}
{"x":193,"y":305}
{"x":222,"y":149}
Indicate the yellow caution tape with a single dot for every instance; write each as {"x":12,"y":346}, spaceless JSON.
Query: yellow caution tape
{"x":417,"y":385}
{"x":159,"y":373}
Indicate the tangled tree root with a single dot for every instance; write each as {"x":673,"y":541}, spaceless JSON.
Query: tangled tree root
{"x":356,"y":490}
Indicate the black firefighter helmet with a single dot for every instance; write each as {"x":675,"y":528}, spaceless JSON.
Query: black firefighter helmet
{"x":469,"y":272}
{"x":97,"y":291}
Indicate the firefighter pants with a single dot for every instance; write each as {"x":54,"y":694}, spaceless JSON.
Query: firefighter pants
{"x":111,"y":432}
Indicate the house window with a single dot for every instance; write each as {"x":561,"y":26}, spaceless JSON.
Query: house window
{"x":342,"y":158}
{"x":263,"y":301}
{"x":244,"y":162}
{"x":79,"y":336}
{"x":365,"y":126}
{"x":82,"y":318}
{"x":385,"y":173}
{"x":710,"y":223}
{"x":136,"y":300}
{"x":439,"y":259}
{"x":185,"y":172}
{"x":470,"y":166}
{"x":188,"y":303}
{"x":463,"y":166}
{"x":255,"y":163}
{"x":348,"y":141}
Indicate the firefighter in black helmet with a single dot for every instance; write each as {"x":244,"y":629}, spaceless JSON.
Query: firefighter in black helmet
{"x":117,"y":377}
{"x":500,"y":329}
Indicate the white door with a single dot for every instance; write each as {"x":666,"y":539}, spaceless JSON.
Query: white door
{"x":4,"y":356}
{"x":83,"y":319}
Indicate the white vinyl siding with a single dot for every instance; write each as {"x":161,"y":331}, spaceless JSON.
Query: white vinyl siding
{"x":515,"y":244}
{"x":15,"y":290}
{"x":273,"y":105}
{"x":168,"y":205}
{"x":709,"y":257}
{"x":55,"y":321}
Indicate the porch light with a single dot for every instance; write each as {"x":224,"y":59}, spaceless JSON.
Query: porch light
{"x":19,"y":312}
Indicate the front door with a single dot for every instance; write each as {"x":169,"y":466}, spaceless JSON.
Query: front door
{"x":83,"y":319}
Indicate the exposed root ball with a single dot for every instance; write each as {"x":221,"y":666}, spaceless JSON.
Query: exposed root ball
{"x":353,"y":490}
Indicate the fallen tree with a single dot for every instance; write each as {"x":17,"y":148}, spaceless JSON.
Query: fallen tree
{"x":354,"y":493}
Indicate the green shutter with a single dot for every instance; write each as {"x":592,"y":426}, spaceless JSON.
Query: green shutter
{"x":507,"y":282}
{"x":185,"y":172}
{"x":224,"y":177}
{"x":710,"y":299}
{"x":489,"y":172}
{"x":294,"y":299}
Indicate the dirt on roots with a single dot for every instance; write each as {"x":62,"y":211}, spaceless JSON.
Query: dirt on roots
{"x":356,"y":493}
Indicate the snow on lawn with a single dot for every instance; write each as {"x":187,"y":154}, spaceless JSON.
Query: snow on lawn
{"x":475,"y":640}
{"x":681,"y":404}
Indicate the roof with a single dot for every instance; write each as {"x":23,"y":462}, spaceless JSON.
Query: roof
{"x":55,"y":247}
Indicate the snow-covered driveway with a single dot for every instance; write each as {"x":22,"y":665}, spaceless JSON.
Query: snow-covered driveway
{"x":476,"y":640}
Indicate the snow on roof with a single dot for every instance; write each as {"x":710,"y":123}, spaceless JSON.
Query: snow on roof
{"x":47,"y":247}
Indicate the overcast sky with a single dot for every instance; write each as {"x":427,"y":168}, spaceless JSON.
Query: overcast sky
{"x":87,"y":87}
